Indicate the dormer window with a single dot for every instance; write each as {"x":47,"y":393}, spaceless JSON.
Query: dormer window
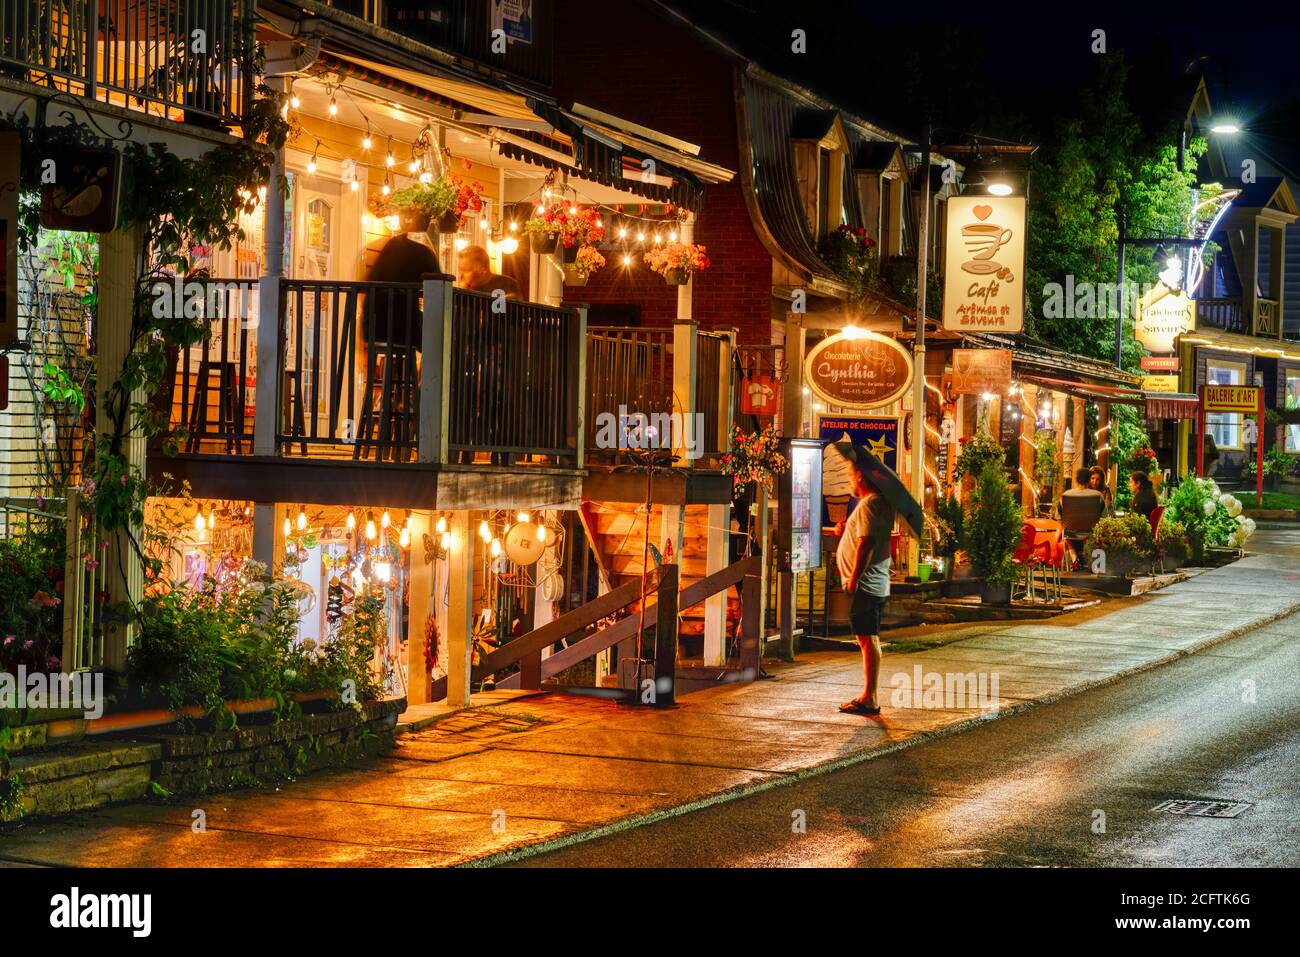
{"x":820,"y":152}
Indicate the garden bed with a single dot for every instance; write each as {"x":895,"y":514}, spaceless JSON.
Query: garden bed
{"x":164,"y":760}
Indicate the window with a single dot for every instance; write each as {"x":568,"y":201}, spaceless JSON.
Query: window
{"x":824,"y":224}
{"x":1291,"y":400}
{"x":1225,"y":428}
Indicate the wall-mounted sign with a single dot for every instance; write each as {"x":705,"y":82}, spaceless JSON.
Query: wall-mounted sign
{"x":10,"y":145}
{"x":984,"y":264}
{"x":1160,"y":363}
{"x":514,"y":18}
{"x":1162,"y":316}
{"x":1160,"y":383}
{"x":858,"y":369}
{"x":84,"y":193}
{"x":878,"y":434}
{"x":758,"y":395}
{"x":976,"y":371}
{"x":1243,"y":399}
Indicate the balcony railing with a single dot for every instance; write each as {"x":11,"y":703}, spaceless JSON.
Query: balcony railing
{"x":190,"y":58}
{"x":1227,"y":314}
{"x":640,"y":370}
{"x":465,"y":27}
{"x":362,"y":366}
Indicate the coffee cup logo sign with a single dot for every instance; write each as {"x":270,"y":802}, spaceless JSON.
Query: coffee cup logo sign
{"x":1162,"y":316}
{"x":858,"y":370}
{"x":984,"y":264}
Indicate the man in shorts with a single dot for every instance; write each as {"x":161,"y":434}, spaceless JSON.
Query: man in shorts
{"x":863,"y":562}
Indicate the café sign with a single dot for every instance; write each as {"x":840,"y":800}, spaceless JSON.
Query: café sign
{"x":976,"y":371}
{"x":1163,"y":316}
{"x":858,"y":369}
{"x":984,"y":264}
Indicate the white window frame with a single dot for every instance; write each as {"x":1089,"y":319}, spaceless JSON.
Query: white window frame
{"x":1222,"y":424}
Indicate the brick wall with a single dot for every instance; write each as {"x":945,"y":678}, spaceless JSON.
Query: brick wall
{"x":660,"y":75}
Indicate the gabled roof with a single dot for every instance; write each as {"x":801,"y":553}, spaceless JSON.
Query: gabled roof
{"x":1267,"y":192}
{"x":874,"y":156}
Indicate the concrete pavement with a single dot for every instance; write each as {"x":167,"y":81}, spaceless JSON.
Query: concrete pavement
{"x":535,"y":773}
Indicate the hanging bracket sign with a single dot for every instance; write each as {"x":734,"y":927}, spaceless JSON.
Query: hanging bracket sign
{"x":984,"y":264}
{"x":857,"y":369}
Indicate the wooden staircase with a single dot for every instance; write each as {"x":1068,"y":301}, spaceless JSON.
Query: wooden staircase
{"x":616,"y":533}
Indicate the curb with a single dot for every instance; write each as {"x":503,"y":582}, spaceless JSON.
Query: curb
{"x":828,"y":767}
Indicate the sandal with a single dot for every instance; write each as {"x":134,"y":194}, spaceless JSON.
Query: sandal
{"x":859,"y":707}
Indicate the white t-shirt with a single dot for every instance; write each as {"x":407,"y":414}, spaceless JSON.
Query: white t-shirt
{"x":873,"y":519}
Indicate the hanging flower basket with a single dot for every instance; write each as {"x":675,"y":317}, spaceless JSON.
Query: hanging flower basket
{"x":542,"y":244}
{"x":586,"y":260}
{"x":677,"y":262}
{"x":448,"y":223}
{"x":445,"y":201}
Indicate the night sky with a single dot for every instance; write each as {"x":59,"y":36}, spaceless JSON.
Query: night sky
{"x":995,"y":71}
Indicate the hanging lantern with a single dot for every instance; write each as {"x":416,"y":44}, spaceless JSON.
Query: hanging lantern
{"x":385,"y":520}
{"x":371,"y":532}
{"x":541,"y":533}
{"x":288,"y":527}
{"x":405,"y":538}
{"x":496,"y":548}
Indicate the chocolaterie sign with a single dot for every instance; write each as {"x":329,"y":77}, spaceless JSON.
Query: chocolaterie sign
{"x":858,"y":369}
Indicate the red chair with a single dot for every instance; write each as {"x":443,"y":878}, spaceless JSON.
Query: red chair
{"x":1026,"y":557}
{"x":1049,"y":541}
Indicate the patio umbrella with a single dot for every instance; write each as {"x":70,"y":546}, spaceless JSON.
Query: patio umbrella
{"x":882,"y":478}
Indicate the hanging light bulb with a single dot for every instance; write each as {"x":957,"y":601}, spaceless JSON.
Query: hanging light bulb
{"x":522,"y":516}
{"x":334,"y":107}
{"x":366,"y":141}
{"x":311,"y":164}
{"x":672,"y":236}
{"x":622,"y":232}
{"x":627,"y":260}
{"x":541,"y":533}
{"x":413,"y":165}
{"x":198,"y":522}
{"x":212,"y":519}
{"x":355,"y":185}
{"x":302,"y":519}
{"x":351,"y":521}
{"x":405,"y":538}
{"x":385,"y":520}
{"x":640,"y":237}
{"x":573,"y":210}
{"x":444,"y":542}
{"x":371,"y":532}
{"x":484,"y":531}
{"x":389,"y":161}
{"x":514,"y":226}
{"x":441,"y":525}
{"x":288,"y":527}
{"x":358,"y":578}
{"x":496,"y":548}
{"x":540,"y":209}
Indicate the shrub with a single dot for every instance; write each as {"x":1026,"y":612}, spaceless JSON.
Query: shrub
{"x":950,"y":517}
{"x":31,"y":598}
{"x":992,"y":526}
{"x":1124,"y":536}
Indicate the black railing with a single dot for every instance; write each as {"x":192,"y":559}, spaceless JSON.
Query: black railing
{"x":350,"y":380}
{"x":629,"y":371}
{"x":162,"y":56}
{"x":465,"y":27}
{"x":513,"y":380}
{"x":214,"y":390}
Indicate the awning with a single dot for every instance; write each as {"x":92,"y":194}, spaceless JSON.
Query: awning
{"x":1171,"y":405}
{"x":1092,"y":391}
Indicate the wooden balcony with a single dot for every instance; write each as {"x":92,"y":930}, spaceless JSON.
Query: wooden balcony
{"x":139,"y":54}
{"x":373,"y":378}
{"x":1227,"y":314}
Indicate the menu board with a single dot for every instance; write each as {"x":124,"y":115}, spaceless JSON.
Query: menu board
{"x":805,"y":506}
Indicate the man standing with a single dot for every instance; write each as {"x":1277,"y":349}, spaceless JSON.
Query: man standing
{"x":863,"y":562}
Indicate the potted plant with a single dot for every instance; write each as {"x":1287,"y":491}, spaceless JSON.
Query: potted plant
{"x":565,"y":227}
{"x":587,"y":261}
{"x":992,"y":528}
{"x":1127,"y":541}
{"x":949,"y":518}
{"x":443,"y":201}
{"x":754,"y":457}
{"x":677,"y":262}
{"x":977,"y":451}
{"x":852,"y":254}
{"x":1173,"y":544}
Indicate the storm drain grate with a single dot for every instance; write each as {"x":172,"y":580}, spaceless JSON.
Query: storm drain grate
{"x":1203,"y":808}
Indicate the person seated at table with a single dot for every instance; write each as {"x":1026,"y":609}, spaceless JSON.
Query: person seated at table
{"x":1097,"y":482}
{"x":474,"y":271}
{"x":1081,"y":507}
{"x":1144,"y":494}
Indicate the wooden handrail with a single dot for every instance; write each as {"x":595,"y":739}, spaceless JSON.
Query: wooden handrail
{"x":692,"y":595}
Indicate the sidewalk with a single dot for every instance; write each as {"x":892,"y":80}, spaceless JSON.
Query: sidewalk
{"x":520,"y":775}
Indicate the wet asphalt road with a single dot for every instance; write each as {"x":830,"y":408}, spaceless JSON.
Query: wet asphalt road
{"x":1067,"y":784}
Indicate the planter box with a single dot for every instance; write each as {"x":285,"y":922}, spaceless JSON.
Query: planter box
{"x":107,"y":770}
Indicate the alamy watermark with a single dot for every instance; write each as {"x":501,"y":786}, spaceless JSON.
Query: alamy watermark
{"x":952,"y":691}
{"x":1093,"y":300}
{"x":651,"y":430}
{"x":81,"y":691}
{"x":191,"y":299}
